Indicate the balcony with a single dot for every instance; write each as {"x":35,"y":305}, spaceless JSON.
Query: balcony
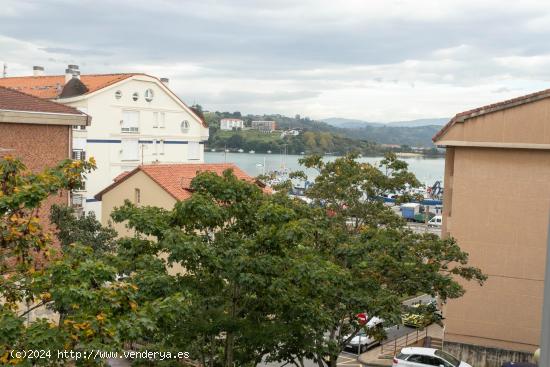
{"x":129,"y":130}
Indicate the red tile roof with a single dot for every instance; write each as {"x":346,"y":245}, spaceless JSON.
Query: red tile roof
{"x":176,"y":178}
{"x":462,"y":116}
{"x":50,"y":86}
{"x":14,"y":100}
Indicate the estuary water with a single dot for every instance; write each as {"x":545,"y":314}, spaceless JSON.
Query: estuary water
{"x":427,"y":170}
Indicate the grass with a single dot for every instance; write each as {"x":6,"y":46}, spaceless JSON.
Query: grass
{"x":252,"y":135}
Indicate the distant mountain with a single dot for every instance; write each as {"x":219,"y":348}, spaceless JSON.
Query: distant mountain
{"x":344,"y":123}
{"x":420,"y":122}
{"x":348,"y":123}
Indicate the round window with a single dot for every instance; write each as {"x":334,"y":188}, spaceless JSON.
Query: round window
{"x":149,"y":94}
{"x":135,"y":96}
{"x":118,"y":94}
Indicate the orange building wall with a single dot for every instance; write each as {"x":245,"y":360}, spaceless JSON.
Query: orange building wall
{"x":496,"y":205}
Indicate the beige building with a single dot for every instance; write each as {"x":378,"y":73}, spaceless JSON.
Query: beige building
{"x":496,"y":205}
{"x":160,"y":185}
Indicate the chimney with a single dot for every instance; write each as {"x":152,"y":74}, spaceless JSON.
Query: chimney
{"x":68,"y":75}
{"x":165,"y":81}
{"x":72,"y":67}
{"x":37,"y":70}
{"x":76,"y":74}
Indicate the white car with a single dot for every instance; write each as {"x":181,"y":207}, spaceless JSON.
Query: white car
{"x":436,"y":221}
{"x":361,"y":342}
{"x":422,"y":357}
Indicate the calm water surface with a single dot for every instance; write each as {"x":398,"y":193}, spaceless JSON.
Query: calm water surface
{"x":427,"y":170}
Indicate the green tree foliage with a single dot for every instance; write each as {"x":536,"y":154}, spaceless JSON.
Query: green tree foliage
{"x":270,"y":278}
{"x":84,"y":229}
{"x":99,"y":312}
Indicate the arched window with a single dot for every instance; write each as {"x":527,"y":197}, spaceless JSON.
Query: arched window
{"x":185,"y":126}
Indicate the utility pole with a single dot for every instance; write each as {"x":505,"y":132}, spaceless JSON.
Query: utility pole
{"x":5,"y":71}
{"x":545,"y":334}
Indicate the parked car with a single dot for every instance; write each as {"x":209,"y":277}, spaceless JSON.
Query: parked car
{"x":362,"y":342}
{"x":422,"y":357}
{"x":436,"y":221}
{"x":519,"y":364}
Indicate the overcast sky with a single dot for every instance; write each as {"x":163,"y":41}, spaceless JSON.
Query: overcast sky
{"x":366,"y":59}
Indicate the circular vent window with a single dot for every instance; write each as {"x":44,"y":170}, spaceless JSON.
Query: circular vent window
{"x":118,"y":94}
{"x":149,"y":94}
{"x":135,"y":96}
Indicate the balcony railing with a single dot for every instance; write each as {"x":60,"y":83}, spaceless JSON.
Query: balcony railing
{"x":131,"y":130}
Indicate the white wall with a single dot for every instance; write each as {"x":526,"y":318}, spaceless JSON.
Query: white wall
{"x":104,"y":136}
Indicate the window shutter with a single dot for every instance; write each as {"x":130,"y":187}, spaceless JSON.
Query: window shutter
{"x":130,"y":150}
{"x":193,"y":150}
{"x":130,"y":122}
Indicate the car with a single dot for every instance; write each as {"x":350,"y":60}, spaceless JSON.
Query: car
{"x":362,"y":342}
{"x":436,"y":221}
{"x":422,"y":357}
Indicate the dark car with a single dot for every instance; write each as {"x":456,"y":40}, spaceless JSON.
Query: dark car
{"x":519,"y":364}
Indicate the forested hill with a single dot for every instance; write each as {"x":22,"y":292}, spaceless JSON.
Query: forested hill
{"x":375,"y":133}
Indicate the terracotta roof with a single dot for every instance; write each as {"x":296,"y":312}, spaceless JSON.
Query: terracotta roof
{"x":14,"y":100}
{"x":50,"y":86}
{"x":463,"y":116}
{"x":176,"y":178}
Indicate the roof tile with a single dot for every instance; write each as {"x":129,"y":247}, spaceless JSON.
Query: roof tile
{"x":14,"y":100}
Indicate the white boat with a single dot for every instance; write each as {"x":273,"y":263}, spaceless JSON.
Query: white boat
{"x":212,"y":150}
{"x":240,"y":150}
{"x":252,"y":152}
{"x":269,"y":152}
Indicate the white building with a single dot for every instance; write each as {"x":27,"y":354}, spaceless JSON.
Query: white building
{"x":230,"y":124}
{"x":136,"y":119}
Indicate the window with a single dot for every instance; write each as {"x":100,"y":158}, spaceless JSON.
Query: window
{"x":155,"y":119}
{"x":149,"y":95}
{"x":449,"y":358}
{"x":137,"y":196}
{"x":193,"y":150}
{"x":130,"y":122}
{"x":130,"y":150}
{"x":162,"y":119}
{"x":79,"y":127}
{"x":79,"y":155}
{"x":162,"y":147}
{"x":155,"y":147}
{"x":135,"y":96}
{"x":118,"y":94}
{"x":185,"y":126}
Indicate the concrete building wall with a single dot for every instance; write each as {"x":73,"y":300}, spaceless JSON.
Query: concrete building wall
{"x":497,"y":208}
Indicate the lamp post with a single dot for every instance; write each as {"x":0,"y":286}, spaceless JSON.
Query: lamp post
{"x":545,"y":334}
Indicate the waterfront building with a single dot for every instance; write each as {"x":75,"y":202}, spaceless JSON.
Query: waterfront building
{"x":496,"y":205}
{"x":264,"y":126}
{"x":137,"y":120}
{"x":231,"y":124}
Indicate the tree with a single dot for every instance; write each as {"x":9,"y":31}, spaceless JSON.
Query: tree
{"x":245,"y":265}
{"x":84,"y":229}
{"x":100,"y":311}
{"x":271,"y":278}
{"x":379,"y":260}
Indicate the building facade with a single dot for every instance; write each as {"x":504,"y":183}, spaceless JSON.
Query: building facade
{"x":137,"y":120}
{"x":39,"y":133}
{"x":230,"y":124}
{"x":264,"y":126}
{"x":496,"y":205}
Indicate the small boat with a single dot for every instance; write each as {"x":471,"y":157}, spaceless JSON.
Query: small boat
{"x":252,"y":152}
{"x":212,"y":150}
{"x":227,"y":150}
{"x":269,"y":152}
{"x":240,"y":150}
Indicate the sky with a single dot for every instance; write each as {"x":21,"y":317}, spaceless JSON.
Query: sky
{"x":363,"y":59}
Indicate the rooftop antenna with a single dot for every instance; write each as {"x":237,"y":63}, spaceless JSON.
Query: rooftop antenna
{"x":5,"y":70}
